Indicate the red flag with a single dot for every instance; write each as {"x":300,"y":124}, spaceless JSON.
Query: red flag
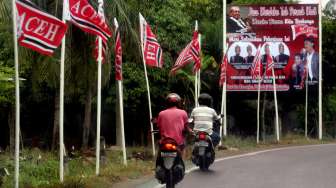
{"x":302,"y":29}
{"x":151,"y":49}
{"x":84,"y":16}
{"x":190,"y":53}
{"x":269,"y":65}
{"x":118,"y":52}
{"x":256,"y":67}
{"x":223,"y":70}
{"x":104,"y":41}
{"x":96,"y":49}
{"x":38,"y":30}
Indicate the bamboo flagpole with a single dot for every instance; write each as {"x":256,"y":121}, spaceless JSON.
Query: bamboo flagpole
{"x":98,"y":105}
{"x":223,"y":128}
{"x":118,"y":65}
{"x":196,"y":73}
{"x":258,"y":107}
{"x":199,"y":71}
{"x":277,"y":129}
{"x":99,"y":79}
{"x":141,"y":19}
{"x":65,"y":17}
{"x":320,"y":73}
{"x":306,"y":105}
{"x":260,"y":79}
{"x":17,"y":96}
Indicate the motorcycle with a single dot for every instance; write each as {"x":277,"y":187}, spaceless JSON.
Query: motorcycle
{"x":170,"y":168}
{"x":203,"y":154}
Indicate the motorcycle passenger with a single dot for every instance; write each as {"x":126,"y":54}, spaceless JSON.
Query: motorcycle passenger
{"x":205,"y":118}
{"x":173,"y":122}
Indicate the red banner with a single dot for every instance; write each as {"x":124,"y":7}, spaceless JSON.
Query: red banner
{"x":152,"y":51}
{"x":288,"y":39}
{"x":118,"y":52}
{"x":88,"y":19}
{"x":38,"y":30}
{"x":190,"y":53}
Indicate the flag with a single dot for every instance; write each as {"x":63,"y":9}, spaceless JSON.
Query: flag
{"x":118,"y":52}
{"x":104,"y":41}
{"x":256,"y":67}
{"x":84,"y":16}
{"x":223,"y":74}
{"x":151,"y":49}
{"x":37,"y":29}
{"x":190,"y":53}
{"x":302,"y":29}
{"x":269,"y":65}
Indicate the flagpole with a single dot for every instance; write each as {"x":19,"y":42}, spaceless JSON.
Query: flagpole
{"x":61,"y":113}
{"x":199,"y":71}
{"x":121,"y":109}
{"x":223,"y":105}
{"x":306,"y":107}
{"x":196,"y":73}
{"x":258,"y":109}
{"x":148,"y":92}
{"x":17,"y":97}
{"x":276,"y":107}
{"x":320,"y":70}
{"x":121,"y":113}
{"x":98,"y":105}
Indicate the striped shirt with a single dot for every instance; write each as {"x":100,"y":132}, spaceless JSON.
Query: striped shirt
{"x":203,"y":118}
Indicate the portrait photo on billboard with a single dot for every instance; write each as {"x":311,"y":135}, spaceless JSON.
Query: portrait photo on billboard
{"x":287,"y":38}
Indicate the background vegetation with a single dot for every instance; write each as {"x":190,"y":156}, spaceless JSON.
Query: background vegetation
{"x":173,"y":22}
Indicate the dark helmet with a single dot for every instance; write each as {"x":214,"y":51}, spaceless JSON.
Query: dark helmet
{"x":205,"y":100}
{"x":173,"y":99}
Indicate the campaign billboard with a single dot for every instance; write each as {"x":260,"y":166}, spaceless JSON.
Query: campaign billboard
{"x":285,"y":36}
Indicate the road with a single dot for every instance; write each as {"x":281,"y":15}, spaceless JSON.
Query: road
{"x":295,"y":167}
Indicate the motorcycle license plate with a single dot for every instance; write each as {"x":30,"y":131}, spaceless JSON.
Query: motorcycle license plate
{"x":202,"y":144}
{"x":168,"y":154}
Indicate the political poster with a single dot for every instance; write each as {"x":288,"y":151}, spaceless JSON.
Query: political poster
{"x":286,"y":35}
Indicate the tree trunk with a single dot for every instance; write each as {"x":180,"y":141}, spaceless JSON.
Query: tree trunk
{"x":87,"y":120}
{"x":262,"y":117}
{"x":56,"y":122}
{"x":11,"y":124}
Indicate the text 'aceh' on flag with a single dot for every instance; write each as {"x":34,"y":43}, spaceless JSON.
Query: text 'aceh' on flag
{"x":37,"y":29}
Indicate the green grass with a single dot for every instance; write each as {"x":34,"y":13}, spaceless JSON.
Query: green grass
{"x":42,"y":172}
{"x":79,"y":172}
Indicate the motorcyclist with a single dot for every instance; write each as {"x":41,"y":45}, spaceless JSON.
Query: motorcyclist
{"x":205,"y":118}
{"x":173,"y":122}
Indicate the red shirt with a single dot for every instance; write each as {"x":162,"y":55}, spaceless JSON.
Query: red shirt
{"x":171,"y":123}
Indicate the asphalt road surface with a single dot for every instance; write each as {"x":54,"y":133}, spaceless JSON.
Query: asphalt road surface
{"x":296,"y":167}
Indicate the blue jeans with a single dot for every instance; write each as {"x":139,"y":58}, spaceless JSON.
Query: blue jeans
{"x":215,"y":138}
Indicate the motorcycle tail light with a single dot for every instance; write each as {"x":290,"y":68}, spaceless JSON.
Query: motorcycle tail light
{"x":202,"y":136}
{"x":169,"y":147}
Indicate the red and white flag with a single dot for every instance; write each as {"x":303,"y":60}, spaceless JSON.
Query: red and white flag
{"x":104,"y":41}
{"x":269,"y":65}
{"x":223,"y":73}
{"x":118,"y":52}
{"x":37,"y":29}
{"x":151,"y":49}
{"x":256,"y":68}
{"x":190,"y":53}
{"x":84,"y":16}
{"x":302,"y":29}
